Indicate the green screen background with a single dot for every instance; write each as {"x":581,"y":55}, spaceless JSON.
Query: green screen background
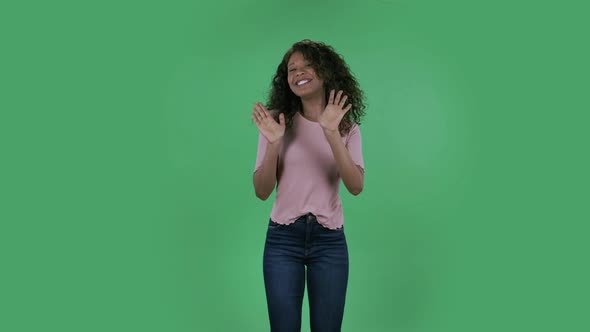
{"x":128,"y":151}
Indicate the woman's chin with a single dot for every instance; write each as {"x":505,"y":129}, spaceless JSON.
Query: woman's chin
{"x":299,"y":94}
{"x":305,"y":93}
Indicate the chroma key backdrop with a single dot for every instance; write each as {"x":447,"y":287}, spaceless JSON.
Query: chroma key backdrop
{"x":127,"y":201}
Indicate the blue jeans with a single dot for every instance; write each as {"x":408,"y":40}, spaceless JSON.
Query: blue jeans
{"x":288,"y":250}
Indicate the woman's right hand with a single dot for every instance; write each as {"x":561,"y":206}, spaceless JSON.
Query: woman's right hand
{"x":267,"y":125}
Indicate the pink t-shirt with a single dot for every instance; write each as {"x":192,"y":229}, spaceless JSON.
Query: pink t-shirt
{"x":308,"y":179}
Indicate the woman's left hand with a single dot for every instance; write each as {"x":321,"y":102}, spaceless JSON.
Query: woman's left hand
{"x":334,"y":111}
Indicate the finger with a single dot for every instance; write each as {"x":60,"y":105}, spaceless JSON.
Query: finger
{"x":341,"y":104}
{"x":266,"y":112}
{"x":337,"y":99}
{"x":257,"y":113}
{"x":260,"y":111}
{"x":282,"y":119}
{"x":255,"y":118}
{"x":349,"y":106}
{"x":255,"y":109}
{"x":331,"y":99}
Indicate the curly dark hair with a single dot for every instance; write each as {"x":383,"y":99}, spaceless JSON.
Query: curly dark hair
{"x":330,"y":67}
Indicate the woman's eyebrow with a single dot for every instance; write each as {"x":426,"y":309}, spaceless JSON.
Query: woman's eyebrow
{"x":292,"y":63}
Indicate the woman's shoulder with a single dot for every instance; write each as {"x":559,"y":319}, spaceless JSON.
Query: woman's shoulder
{"x":354,"y":127}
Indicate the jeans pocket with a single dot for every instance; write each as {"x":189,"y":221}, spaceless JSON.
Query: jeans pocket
{"x":273,"y":225}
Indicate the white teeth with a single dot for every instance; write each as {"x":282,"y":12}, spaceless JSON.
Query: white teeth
{"x":302,"y":82}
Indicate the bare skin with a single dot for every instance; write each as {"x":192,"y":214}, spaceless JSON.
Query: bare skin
{"x":314,"y":109}
{"x":351,"y":174}
{"x":265,"y":178}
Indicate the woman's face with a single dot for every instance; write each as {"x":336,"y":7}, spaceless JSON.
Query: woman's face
{"x":302,"y":78}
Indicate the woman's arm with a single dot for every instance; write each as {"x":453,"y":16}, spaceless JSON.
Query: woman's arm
{"x":350,"y":173}
{"x":270,"y":141}
{"x":265,"y":178}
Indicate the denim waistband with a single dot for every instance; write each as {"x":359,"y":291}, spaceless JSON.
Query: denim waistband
{"x":303,"y":218}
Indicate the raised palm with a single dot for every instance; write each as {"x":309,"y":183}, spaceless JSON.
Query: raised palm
{"x":334,"y":111}
{"x":266,"y":124}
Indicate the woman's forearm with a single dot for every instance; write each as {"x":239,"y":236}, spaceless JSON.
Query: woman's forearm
{"x":349,"y":172}
{"x":265,"y":178}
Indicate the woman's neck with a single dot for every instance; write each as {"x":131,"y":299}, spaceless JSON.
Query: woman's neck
{"x":313,"y":107}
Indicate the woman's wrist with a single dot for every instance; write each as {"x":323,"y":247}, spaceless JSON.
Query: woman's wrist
{"x":331,"y":133}
{"x":277,"y":141}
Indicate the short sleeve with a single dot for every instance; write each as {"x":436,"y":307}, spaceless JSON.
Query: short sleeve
{"x":262,"y":142}
{"x":354,"y":145}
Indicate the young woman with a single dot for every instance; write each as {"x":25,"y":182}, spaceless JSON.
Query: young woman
{"x":309,"y":139}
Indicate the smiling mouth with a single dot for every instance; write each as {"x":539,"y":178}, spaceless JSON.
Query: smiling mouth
{"x":302,"y":82}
